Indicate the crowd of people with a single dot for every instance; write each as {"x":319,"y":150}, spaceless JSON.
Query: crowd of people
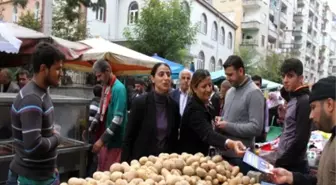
{"x":191,"y":118}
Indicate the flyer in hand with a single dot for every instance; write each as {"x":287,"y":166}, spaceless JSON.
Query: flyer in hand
{"x":257,"y":162}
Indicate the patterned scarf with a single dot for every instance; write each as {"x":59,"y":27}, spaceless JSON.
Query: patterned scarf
{"x":106,"y":98}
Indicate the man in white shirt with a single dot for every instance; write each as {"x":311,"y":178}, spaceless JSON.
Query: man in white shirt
{"x":180,"y":95}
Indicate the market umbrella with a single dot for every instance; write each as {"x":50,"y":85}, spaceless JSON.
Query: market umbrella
{"x":124,"y":61}
{"x":192,"y":67}
{"x":8,"y":42}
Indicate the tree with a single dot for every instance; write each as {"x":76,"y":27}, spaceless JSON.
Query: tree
{"x":71,"y":5}
{"x":74,"y":29}
{"x":164,"y":28}
{"x":21,"y":3}
{"x":270,"y":67}
{"x":250,"y":56}
{"x":29,"y":20}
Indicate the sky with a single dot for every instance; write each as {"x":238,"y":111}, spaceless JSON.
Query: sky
{"x":332,"y":4}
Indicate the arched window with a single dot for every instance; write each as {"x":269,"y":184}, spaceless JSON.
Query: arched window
{"x":37,"y":10}
{"x":15,"y":14}
{"x":204,"y":24}
{"x":219,"y":65}
{"x":214,"y":33}
{"x":222,"y":36}
{"x":230,"y":41}
{"x":212,"y":66}
{"x":200,"y":60}
{"x":133,"y":13}
{"x":185,"y":6}
{"x":101,"y":13}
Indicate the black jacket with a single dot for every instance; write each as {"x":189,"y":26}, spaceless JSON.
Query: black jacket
{"x":141,"y":131}
{"x":297,"y":129}
{"x":197,"y":134}
{"x":215,"y":101}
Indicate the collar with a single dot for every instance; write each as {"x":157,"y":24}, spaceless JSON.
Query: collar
{"x":182,"y":91}
{"x":333,"y":133}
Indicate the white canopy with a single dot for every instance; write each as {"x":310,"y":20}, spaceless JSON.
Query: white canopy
{"x":120,"y":54}
{"x":8,"y":42}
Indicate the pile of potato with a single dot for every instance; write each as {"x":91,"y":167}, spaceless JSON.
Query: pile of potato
{"x":169,"y":169}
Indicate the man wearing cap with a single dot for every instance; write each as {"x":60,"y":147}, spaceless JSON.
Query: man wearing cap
{"x":323,"y":113}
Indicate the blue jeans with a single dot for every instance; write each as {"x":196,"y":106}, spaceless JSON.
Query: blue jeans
{"x":12,"y":178}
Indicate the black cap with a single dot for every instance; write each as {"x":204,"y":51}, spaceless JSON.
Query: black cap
{"x":323,"y":89}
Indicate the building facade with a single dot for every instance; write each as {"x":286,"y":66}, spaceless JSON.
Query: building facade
{"x":215,"y":38}
{"x":42,"y":10}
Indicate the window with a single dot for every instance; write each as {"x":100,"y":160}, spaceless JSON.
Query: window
{"x":185,"y":6}
{"x":204,"y":24}
{"x":15,"y":14}
{"x":100,"y":14}
{"x":212,"y":66}
{"x":200,"y":60}
{"x":37,"y":10}
{"x":133,"y":13}
{"x":219,"y":65}
{"x":230,"y":40}
{"x":222,"y":36}
{"x":263,"y":40}
{"x":214,"y":33}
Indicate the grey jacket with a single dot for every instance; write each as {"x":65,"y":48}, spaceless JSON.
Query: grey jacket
{"x":12,"y":88}
{"x":244,"y":112}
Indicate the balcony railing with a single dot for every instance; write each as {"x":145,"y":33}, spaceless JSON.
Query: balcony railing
{"x":283,"y":17}
{"x":249,"y":42}
{"x":252,"y":25}
{"x":252,"y":3}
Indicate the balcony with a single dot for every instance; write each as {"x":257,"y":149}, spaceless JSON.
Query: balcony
{"x":252,"y":3}
{"x":249,"y":42}
{"x":298,"y":16}
{"x":297,"y":33}
{"x":251,"y":25}
{"x":301,"y":3}
{"x":283,"y":18}
{"x":272,"y":32}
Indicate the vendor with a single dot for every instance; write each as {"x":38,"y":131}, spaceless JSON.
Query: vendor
{"x":323,"y":113}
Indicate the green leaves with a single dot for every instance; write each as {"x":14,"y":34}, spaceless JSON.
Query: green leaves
{"x":29,"y":20}
{"x":164,"y":28}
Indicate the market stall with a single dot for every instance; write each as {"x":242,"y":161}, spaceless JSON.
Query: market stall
{"x":124,"y":61}
{"x":8,"y":42}
{"x":71,"y":115}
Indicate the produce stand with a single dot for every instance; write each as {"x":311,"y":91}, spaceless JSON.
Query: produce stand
{"x":71,"y":115}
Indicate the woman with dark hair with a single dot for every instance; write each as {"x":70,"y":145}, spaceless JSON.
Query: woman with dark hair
{"x":154,"y":119}
{"x":197,"y":133}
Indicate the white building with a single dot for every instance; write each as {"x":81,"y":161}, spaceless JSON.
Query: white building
{"x":214,"y":40}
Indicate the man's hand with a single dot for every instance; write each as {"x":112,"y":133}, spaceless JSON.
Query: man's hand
{"x":237,"y":146}
{"x":218,"y":119}
{"x":97,"y":146}
{"x":221,"y":124}
{"x":282,"y":176}
{"x":55,"y":132}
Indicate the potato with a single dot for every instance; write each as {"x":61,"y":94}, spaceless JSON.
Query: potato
{"x":125,"y":166}
{"x":98,"y":175}
{"x":121,"y":182}
{"x":116,"y":167}
{"x":76,"y":181}
{"x":116,"y":175}
{"x":225,"y":183}
{"x":162,"y":182}
{"x":63,"y":183}
{"x":176,"y":172}
{"x":156,"y":178}
{"x":130,"y":175}
{"x":240,"y":175}
{"x":106,"y":182}
{"x":217,"y":158}
{"x":203,"y":160}
{"x":153,"y":169}
{"x":220,"y":169}
{"x":192,"y":159}
{"x":165,"y":172}
{"x":212,"y":165}
{"x":172,"y":179}
{"x":227,"y":166}
{"x":199,"y":154}
{"x":256,"y":184}
{"x":235,"y":170}
{"x":179,"y":164}
{"x":227,"y":173}
{"x":193,"y":180}
{"x":234,"y":181}
{"x":149,"y":163}
{"x":182,"y":182}
{"x":220,"y":178}
{"x":208,"y":182}
{"x":152,"y":158}
{"x":208,"y":178}
{"x":215,"y":181}
{"x":142,"y":173}
{"x":136,"y":181}
{"x":205,"y":166}
{"x":143,"y":160}
{"x":158,"y":166}
{"x":246,"y":180}
{"x":188,"y":170}
{"x":201,"y":172}
{"x":133,"y":162}
{"x":195,"y":164}
{"x":168,"y":164}
{"x":173,"y":155}
{"x":150,"y":182}
{"x":252,"y":180}
{"x":212,"y":173}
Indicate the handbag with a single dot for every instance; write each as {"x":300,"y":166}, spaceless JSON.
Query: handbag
{"x":274,"y":131}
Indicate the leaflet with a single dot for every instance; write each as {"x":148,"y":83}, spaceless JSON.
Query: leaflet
{"x":257,"y":162}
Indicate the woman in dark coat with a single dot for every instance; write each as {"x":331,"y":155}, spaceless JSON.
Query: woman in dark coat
{"x":154,"y":119}
{"x":197,"y":133}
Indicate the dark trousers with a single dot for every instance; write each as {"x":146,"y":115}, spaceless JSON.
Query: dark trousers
{"x":12,"y":178}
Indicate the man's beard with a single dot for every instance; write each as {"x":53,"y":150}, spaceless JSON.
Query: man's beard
{"x":326,"y":122}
